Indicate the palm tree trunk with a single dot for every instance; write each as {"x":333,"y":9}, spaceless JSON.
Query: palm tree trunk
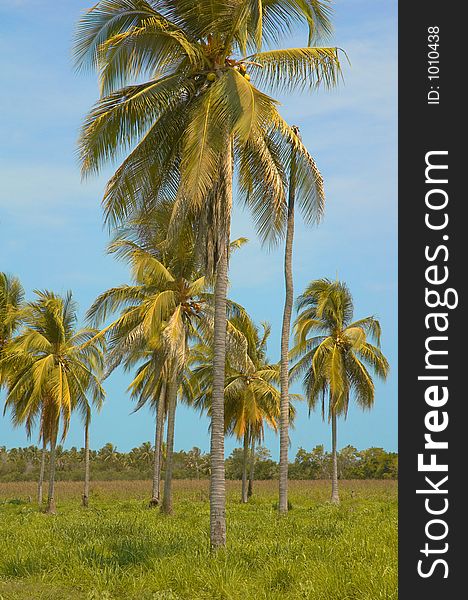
{"x":285,"y":334}
{"x":156,"y":493}
{"x":217,"y":479}
{"x":166,"y":506}
{"x":86,"y":470}
{"x":51,"y":508}
{"x":40,"y":484}
{"x":244,"y":466}
{"x":335,"y":497}
{"x":252,"y":469}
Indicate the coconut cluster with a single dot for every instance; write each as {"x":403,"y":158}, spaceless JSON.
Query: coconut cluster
{"x":241,"y":68}
{"x":243,"y":71}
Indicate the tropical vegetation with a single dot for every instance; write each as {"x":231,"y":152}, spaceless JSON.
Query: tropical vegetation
{"x":187,"y":112}
{"x":111,"y":464}
{"x":336,"y":355}
{"x":51,"y":369}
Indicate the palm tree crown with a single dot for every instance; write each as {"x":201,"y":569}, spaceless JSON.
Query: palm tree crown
{"x":251,"y":396}
{"x":161,"y":310}
{"x":197,"y":102}
{"x":335,"y":352}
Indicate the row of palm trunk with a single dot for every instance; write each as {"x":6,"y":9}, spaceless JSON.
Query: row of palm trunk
{"x":51,"y":503}
{"x":248,"y":467}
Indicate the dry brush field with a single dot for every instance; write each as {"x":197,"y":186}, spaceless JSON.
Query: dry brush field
{"x":119,"y":549}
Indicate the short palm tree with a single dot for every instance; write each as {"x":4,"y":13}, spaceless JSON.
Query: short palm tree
{"x":149,"y":387}
{"x":251,"y":396}
{"x":87,"y":422}
{"x":52,"y":369}
{"x":11,"y":303}
{"x":335,"y":354}
{"x":196,"y":117}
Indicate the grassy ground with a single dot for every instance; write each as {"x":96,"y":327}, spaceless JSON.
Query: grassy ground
{"x":119,"y":549}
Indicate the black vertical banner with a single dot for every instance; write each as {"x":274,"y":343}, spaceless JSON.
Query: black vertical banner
{"x":433,"y":336}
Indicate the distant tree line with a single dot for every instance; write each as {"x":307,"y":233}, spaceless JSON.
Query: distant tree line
{"x":23,"y":464}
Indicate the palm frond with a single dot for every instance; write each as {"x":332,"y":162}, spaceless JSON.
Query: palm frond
{"x":103,"y":21}
{"x":296,"y":68}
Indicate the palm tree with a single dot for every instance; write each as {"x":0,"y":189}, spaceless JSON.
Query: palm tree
{"x":149,"y":386}
{"x":196,"y":117}
{"x":251,"y":396}
{"x":109,"y":453}
{"x":11,"y":303}
{"x":52,"y":367}
{"x":85,"y":499}
{"x":159,"y":315}
{"x":311,"y":212}
{"x":335,"y":354}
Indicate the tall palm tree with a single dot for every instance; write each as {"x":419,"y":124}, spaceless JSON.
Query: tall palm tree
{"x":311,"y":212}
{"x":196,"y":117}
{"x":336,"y":354}
{"x":159,"y":314}
{"x":52,"y":369}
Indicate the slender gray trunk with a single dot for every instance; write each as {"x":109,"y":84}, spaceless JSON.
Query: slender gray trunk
{"x":86,"y":469}
{"x":166,"y":506}
{"x":156,"y":493}
{"x":40,"y":485}
{"x":335,"y":497}
{"x":217,"y":479}
{"x":245,"y":460}
{"x":285,"y":334}
{"x":252,"y":468}
{"x":51,"y":508}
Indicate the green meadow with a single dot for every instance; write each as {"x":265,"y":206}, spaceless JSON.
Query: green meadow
{"x":120,"y":549}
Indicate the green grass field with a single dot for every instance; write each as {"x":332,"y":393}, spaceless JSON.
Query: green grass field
{"x":119,"y":549}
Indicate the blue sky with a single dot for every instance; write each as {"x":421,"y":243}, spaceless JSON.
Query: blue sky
{"x":51,"y":232}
